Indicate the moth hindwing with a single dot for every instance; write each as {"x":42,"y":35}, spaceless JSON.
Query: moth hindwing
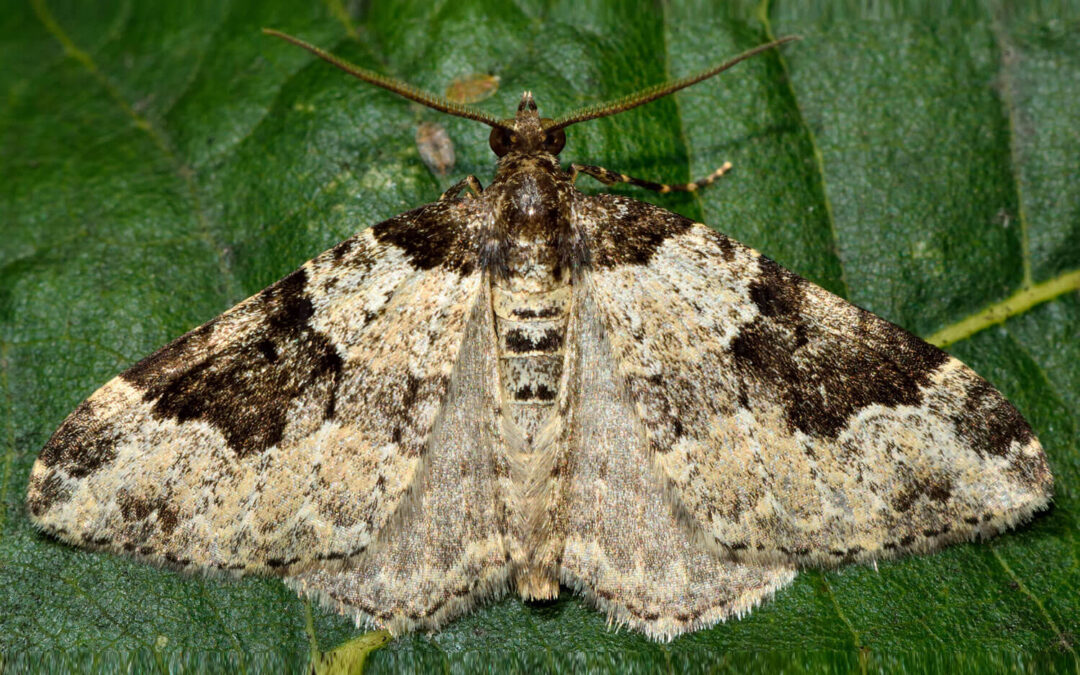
{"x":523,"y":387}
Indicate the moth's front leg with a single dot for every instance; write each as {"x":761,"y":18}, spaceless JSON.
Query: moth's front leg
{"x":470,"y":181}
{"x":609,"y":177}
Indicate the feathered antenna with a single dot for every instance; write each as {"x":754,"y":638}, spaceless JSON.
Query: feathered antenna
{"x":656,"y":91}
{"x":397,"y":86}
{"x":581,"y":115}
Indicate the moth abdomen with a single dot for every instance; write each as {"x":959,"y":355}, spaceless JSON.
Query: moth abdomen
{"x":531,"y":328}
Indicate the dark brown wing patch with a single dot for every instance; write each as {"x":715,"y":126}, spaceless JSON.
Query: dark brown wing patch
{"x":246,"y":389}
{"x":286,"y":431}
{"x":428,"y":236}
{"x":790,"y":424}
{"x":990,"y":422}
{"x":821,"y":373}
{"x":628,"y":231}
{"x":81,"y":445}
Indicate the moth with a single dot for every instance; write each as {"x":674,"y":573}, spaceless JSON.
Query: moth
{"x":522,"y":387}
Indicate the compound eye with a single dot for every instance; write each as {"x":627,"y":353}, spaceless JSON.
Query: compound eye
{"x":554,"y":141}
{"x":501,"y":141}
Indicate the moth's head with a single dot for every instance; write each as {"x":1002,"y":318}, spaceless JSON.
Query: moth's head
{"x":527,"y":132}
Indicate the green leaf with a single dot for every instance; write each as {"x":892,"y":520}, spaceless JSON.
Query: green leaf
{"x":161,"y":161}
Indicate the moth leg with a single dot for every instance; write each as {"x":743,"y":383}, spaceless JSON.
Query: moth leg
{"x":470,"y":181}
{"x":609,"y":177}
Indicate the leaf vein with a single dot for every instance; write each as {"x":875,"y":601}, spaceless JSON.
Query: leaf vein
{"x":339,"y":12}
{"x":1014,"y":305}
{"x":840,"y":612}
{"x":158,"y":138}
{"x":1009,"y":101}
{"x":819,"y":159}
{"x":683,"y":139}
{"x":1063,"y":641}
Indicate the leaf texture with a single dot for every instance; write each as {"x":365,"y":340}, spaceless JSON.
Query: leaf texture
{"x":161,"y":162}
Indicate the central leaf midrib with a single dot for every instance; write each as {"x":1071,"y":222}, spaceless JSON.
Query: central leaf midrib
{"x":842,"y":289}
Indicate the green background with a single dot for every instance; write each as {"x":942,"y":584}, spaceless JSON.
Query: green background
{"x":161,"y":161}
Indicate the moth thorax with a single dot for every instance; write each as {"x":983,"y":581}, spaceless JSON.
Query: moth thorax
{"x":533,"y":266}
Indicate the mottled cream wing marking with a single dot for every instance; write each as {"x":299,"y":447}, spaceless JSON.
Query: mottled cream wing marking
{"x":177,"y":484}
{"x":623,"y":546}
{"x":794,"y":426}
{"x":447,"y":552}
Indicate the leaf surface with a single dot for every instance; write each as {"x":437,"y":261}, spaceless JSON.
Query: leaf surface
{"x":161,"y":162}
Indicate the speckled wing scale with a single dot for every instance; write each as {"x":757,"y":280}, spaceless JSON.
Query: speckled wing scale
{"x":283,"y":434}
{"x":526,"y":387}
{"x":789,"y":425}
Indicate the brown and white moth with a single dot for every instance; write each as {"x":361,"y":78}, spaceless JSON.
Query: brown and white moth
{"x":522,"y":387}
